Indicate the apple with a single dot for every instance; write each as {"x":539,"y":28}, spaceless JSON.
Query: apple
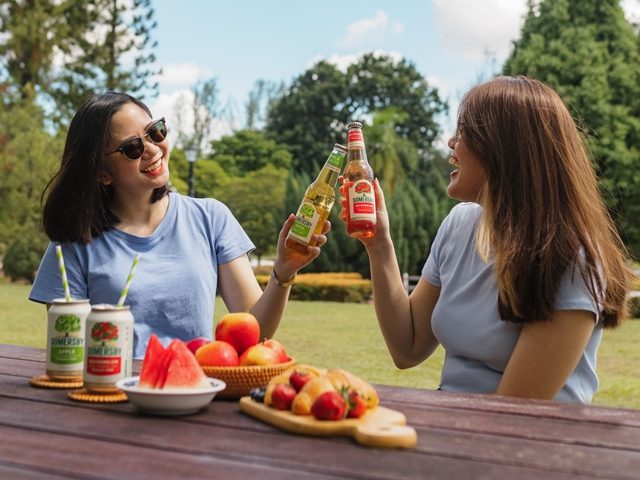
{"x":259,"y":355}
{"x":217,"y":354}
{"x":241,"y":330}
{"x":195,"y":343}
{"x":278,"y":348}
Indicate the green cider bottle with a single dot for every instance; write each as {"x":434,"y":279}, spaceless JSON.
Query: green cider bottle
{"x":317,"y":202}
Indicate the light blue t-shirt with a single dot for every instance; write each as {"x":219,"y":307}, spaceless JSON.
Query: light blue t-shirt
{"x":174,"y":287}
{"x":477,"y":343}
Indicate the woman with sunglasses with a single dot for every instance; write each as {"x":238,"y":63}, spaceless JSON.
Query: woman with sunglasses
{"x":109,"y":201}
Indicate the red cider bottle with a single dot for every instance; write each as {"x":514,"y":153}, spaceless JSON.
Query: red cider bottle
{"x":358,"y":183}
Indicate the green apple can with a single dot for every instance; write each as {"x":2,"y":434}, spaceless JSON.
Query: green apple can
{"x":108,"y":347}
{"x":65,"y":339}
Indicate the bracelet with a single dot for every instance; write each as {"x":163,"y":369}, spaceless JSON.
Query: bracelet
{"x":279,"y":282}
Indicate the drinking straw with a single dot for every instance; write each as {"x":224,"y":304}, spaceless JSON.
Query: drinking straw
{"x":123,"y":295}
{"x":63,"y":274}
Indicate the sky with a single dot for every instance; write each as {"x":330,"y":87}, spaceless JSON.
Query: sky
{"x":452,"y":43}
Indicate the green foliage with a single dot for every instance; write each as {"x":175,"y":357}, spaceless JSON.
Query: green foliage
{"x":248,"y":151}
{"x":589,"y":53}
{"x":22,"y":258}
{"x":327,"y":287}
{"x":257,"y":200}
{"x":28,"y":157}
{"x":312,"y":113}
{"x":93,"y":35}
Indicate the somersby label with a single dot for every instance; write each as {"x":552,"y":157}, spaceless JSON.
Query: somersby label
{"x":362,"y":202}
{"x":305,"y":223}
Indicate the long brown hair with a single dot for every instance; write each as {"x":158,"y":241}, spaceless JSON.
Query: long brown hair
{"x":78,"y":206}
{"x":542,"y":210}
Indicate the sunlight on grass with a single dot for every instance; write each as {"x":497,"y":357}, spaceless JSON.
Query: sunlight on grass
{"x":346,"y":335}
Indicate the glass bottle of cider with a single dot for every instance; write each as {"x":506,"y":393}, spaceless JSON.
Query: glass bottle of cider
{"x":358,"y":183}
{"x":317,"y":203}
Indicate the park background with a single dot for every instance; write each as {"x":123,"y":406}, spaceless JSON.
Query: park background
{"x":256,"y":137}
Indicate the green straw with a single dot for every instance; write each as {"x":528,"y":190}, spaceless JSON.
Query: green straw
{"x":123,"y":295}
{"x":63,"y":274}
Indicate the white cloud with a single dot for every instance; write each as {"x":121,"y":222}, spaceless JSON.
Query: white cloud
{"x":341,"y":62}
{"x":632,"y":10}
{"x":480,"y":28}
{"x":176,"y":107}
{"x":182,"y":74}
{"x":370,"y":28}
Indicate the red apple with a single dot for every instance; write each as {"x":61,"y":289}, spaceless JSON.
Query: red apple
{"x":241,"y":330}
{"x":217,"y":354}
{"x":195,"y":343}
{"x":278,"y":348}
{"x":259,"y":355}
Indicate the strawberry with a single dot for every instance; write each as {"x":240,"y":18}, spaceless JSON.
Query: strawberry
{"x":357,"y":407}
{"x":298,"y":379}
{"x":282,"y":396}
{"x":329,"y":406}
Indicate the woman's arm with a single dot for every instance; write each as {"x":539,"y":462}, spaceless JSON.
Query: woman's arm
{"x":546,"y":354}
{"x":241,"y":292}
{"x":405,"y":321}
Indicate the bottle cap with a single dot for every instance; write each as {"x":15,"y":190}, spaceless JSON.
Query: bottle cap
{"x":354,"y":125}
{"x":339,"y":147}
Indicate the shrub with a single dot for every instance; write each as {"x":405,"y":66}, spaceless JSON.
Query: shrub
{"x":332,"y":287}
{"x":22,"y":258}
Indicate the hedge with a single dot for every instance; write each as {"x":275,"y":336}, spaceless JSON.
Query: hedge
{"x":332,"y":287}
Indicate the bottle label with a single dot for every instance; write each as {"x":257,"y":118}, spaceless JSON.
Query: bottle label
{"x":355,"y":138}
{"x":305,"y":223}
{"x":362,"y":201}
{"x":335,"y":161}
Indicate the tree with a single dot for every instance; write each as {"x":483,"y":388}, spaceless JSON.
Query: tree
{"x":589,"y":53}
{"x":204,"y":110}
{"x":92,"y":39}
{"x":28,"y":157}
{"x":312,"y":113}
{"x":261,"y":97}
{"x":34,"y":32}
{"x":257,"y":200}
{"x":247,"y":151}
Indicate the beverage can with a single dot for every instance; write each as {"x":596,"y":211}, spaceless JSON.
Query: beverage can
{"x":65,"y":339}
{"x":108,"y":347}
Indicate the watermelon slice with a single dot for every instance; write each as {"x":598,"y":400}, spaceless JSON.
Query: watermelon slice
{"x":150,"y":371}
{"x":163,"y":366}
{"x":184,"y":371}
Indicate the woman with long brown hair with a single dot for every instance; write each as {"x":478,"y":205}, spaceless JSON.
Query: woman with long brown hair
{"x":525,"y":273}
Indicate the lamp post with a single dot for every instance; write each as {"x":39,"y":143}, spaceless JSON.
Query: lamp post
{"x":191,"y":153}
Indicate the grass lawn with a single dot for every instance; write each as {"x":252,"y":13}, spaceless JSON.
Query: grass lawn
{"x":346,"y":335}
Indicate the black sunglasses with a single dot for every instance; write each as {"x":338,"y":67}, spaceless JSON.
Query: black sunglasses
{"x":134,"y":148}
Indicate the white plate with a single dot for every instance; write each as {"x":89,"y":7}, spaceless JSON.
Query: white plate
{"x":169,"y":401}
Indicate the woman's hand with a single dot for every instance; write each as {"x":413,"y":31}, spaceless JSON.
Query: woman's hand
{"x":382,"y":217}
{"x":289,"y":261}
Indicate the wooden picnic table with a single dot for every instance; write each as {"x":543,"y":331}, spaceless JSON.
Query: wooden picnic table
{"x":45,"y":435}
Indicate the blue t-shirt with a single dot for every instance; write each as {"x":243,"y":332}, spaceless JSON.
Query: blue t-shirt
{"x":174,"y":287}
{"x":478,"y":343}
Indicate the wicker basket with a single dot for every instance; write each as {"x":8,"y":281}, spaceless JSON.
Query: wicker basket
{"x":240,"y":380}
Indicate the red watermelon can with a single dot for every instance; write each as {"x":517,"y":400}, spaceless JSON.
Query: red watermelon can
{"x":108,"y":347}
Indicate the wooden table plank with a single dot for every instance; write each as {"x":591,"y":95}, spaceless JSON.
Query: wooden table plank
{"x":225,"y":420}
{"x":459,"y":436}
{"x":517,"y":406}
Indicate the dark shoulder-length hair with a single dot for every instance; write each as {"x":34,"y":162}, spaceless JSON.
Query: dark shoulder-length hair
{"x":77,"y":206}
{"x":543,"y":213}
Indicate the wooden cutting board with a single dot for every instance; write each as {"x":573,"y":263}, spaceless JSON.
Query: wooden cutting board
{"x":378,"y":427}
